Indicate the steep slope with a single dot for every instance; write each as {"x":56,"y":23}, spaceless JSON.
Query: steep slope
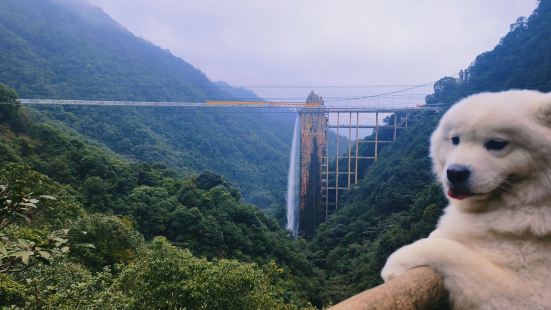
{"x":249,"y":149}
{"x":398,"y":201}
{"x":68,"y":49}
{"x":202,"y":214}
{"x":238,"y":93}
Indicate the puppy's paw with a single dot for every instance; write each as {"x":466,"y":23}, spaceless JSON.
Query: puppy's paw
{"x":398,"y":263}
{"x":393,"y":268}
{"x":417,"y":254}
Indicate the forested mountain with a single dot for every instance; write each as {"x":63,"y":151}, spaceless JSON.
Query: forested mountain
{"x":85,"y":223}
{"x":52,"y":180}
{"x":398,"y":201}
{"x":239,"y":93}
{"x":66,"y":49}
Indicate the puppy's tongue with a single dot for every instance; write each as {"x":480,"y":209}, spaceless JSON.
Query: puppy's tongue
{"x":457,"y":195}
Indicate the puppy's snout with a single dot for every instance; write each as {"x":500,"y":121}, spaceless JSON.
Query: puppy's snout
{"x":458,"y":174}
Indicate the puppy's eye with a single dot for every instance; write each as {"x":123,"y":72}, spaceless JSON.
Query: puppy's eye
{"x":496,"y":144}
{"x":455,"y":140}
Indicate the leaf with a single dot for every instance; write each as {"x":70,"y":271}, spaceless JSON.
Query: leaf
{"x":86,"y":245}
{"x":65,"y":249}
{"x":28,"y":204}
{"x":23,"y":216}
{"x":25,"y":255}
{"x":23,"y":242}
{"x":45,"y":255}
{"x":61,"y":240}
{"x":47,"y":197}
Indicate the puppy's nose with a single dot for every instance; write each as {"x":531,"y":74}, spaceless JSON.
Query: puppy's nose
{"x":458,"y":174}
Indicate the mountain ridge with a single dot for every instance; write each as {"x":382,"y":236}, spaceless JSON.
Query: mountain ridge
{"x":70,"y":50}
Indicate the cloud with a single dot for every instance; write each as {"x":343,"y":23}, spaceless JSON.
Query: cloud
{"x":298,"y":42}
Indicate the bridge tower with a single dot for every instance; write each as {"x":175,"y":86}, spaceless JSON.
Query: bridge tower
{"x":313,"y":137}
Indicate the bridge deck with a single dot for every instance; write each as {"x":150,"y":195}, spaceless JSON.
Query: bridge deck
{"x":204,"y":105}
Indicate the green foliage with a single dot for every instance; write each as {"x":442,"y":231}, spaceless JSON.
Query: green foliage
{"x":161,"y":277}
{"x":8,"y":103}
{"x":18,"y":254}
{"x":115,"y":241}
{"x":8,"y":96}
{"x":71,"y":50}
{"x":66,"y":285}
{"x":11,"y":292}
{"x":68,"y":49}
{"x":201,"y":213}
{"x":25,"y":246}
{"x":170,"y":278}
{"x":396,"y":203}
{"x":192,"y":140}
{"x":22,"y":190}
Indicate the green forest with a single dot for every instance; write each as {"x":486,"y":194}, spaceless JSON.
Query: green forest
{"x":70,"y":50}
{"x":149,"y":208}
{"x":68,"y":203}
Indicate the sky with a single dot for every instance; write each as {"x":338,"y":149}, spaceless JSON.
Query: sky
{"x":322,"y":43}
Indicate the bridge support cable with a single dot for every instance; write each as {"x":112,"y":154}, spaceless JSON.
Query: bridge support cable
{"x":327,"y":163}
{"x":337,"y":165}
{"x":395,"y":125}
{"x":357,"y":144}
{"x":349,"y":147}
{"x":376,"y":136}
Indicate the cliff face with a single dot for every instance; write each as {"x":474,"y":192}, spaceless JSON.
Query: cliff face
{"x":312,"y":150}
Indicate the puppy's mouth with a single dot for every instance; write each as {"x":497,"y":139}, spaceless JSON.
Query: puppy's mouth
{"x":459,"y":193}
{"x":463,"y":191}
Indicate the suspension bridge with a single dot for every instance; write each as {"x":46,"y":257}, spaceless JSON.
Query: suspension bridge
{"x":322,"y":177}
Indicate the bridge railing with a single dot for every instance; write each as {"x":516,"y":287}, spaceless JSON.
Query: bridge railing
{"x":281,"y":106}
{"x":419,"y":288}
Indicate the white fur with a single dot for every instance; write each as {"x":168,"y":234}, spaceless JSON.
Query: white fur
{"x":493,"y":249}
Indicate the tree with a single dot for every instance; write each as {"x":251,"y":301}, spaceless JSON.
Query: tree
{"x":8,"y":102}
{"x":21,"y":247}
{"x":17,"y":254}
{"x":171,"y":278}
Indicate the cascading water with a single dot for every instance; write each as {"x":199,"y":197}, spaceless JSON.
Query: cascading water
{"x":292,"y":181}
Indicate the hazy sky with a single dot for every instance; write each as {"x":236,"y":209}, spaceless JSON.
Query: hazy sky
{"x":321,"y":42}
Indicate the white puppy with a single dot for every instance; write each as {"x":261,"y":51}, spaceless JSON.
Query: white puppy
{"x":492,"y":246}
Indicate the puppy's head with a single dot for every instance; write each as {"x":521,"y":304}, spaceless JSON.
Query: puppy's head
{"x":494,"y":144}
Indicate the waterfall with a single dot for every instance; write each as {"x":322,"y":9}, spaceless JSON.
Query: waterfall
{"x":292,"y":181}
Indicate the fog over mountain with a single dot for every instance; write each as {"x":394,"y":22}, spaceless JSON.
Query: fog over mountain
{"x":321,"y":42}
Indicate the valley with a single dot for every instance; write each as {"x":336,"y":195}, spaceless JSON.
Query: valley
{"x":157,"y":207}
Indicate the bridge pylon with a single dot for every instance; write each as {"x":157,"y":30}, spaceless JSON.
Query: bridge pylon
{"x":325,"y":176}
{"x":313,"y":147}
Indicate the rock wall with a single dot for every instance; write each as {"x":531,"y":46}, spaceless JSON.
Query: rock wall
{"x":313,"y":126}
